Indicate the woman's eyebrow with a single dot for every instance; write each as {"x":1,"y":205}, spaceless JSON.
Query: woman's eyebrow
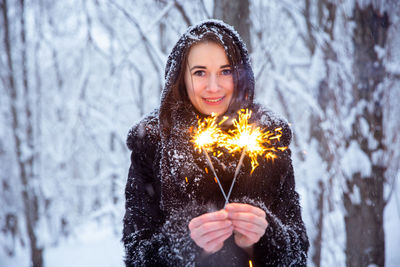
{"x":203,"y":67}
{"x":197,"y":67}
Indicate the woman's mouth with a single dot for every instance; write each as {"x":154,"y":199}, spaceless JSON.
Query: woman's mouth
{"x":213,"y":101}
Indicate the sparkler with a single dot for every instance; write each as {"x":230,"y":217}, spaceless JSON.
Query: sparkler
{"x":247,"y":138}
{"x":252,"y":141}
{"x":205,"y":138}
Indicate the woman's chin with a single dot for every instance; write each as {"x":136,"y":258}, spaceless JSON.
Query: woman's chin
{"x":217,"y":110}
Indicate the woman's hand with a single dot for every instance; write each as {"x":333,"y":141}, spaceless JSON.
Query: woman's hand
{"x":210,"y":230}
{"x":249,"y":223}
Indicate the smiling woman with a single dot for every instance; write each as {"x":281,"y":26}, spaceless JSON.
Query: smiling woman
{"x":208,"y":78}
{"x":175,"y":212}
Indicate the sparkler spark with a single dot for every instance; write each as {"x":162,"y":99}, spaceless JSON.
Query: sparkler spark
{"x":206,"y":136}
{"x":207,"y":133}
{"x":251,"y":140}
{"x":246,"y":138}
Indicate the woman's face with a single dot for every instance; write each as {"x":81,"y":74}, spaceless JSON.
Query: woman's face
{"x":208,"y":78}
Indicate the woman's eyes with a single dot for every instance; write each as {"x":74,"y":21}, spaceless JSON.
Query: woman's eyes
{"x":199,"y":73}
{"x":202,"y":73}
{"x":226,"y":72}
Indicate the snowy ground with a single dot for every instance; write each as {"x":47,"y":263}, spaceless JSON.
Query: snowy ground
{"x":96,"y":246}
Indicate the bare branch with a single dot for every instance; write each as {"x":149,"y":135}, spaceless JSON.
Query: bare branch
{"x":303,"y":94}
{"x":163,"y":13}
{"x":203,"y":6}
{"x":181,"y":10}
{"x":150,"y":49}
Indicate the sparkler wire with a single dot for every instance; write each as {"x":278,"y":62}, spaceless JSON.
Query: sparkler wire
{"x":235,"y":176}
{"x":213,"y":170}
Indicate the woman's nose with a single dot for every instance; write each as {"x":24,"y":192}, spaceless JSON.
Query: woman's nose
{"x":213,"y":84}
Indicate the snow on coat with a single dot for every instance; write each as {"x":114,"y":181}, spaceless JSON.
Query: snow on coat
{"x":168,"y":186}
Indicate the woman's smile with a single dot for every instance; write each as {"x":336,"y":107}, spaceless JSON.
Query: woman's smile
{"x":213,"y":100}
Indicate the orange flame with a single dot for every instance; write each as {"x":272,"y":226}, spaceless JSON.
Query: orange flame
{"x":207,"y":134}
{"x":251,"y":139}
{"x":244,"y":137}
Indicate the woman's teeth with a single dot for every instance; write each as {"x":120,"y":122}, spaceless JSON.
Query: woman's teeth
{"x":214,"y":100}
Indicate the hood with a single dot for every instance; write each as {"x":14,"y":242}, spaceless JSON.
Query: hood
{"x":242,"y":72}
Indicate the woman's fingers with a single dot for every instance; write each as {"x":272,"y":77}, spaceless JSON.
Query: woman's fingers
{"x":209,"y":228}
{"x":207,"y":217}
{"x":214,"y":237}
{"x":252,"y":221}
{"x":216,"y":244}
{"x":249,"y":223}
{"x":251,"y":227}
{"x":244,"y":238}
{"x":239,"y":207}
{"x":248,"y":234}
{"x":247,"y":213}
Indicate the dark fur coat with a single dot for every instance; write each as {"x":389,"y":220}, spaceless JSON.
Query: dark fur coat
{"x":168,"y":185}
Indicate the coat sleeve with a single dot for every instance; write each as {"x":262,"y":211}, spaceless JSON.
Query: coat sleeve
{"x":150,"y":237}
{"x":143,"y":216}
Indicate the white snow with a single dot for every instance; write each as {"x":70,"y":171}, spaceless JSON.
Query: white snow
{"x":364,"y":127}
{"x":392,"y":229}
{"x":355,"y":161}
{"x":93,"y":245}
{"x":355,"y":196}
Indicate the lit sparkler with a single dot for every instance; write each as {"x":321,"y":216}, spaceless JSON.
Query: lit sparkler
{"x":252,"y":141}
{"x":205,"y":139}
{"x":248,"y":138}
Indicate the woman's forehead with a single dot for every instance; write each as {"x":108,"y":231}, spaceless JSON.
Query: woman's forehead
{"x":206,"y":51}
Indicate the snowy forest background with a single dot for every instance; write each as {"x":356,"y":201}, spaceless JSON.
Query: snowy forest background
{"x":76,"y":74}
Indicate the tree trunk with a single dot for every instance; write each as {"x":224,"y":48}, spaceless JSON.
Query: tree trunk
{"x":317,"y":242}
{"x":365,"y":240}
{"x":237,"y":14}
{"x":325,"y":98}
{"x":23,"y":134}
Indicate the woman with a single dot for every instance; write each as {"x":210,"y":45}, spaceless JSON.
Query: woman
{"x":175,"y":213}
